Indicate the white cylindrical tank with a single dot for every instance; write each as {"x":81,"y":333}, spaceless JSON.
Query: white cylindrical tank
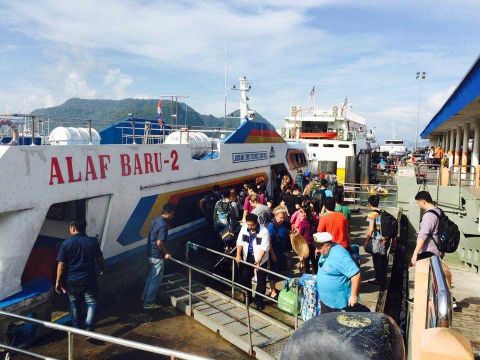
{"x":198,"y":142}
{"x":73,"y":136}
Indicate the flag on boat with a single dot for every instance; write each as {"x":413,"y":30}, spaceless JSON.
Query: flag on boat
{"x":344,"y":107}
{"x":312,"y":92}
{"x":159,"y":107}
{"x":159,"y":112}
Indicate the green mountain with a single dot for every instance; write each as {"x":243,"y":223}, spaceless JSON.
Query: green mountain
{"x":75,"y":112}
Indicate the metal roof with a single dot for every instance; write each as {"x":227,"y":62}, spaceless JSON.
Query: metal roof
{"x":464,"y":95}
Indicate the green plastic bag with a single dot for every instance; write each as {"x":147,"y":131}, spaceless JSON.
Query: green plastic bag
{"x":287,"y":300}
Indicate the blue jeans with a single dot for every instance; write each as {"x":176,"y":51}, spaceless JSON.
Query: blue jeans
{"x":79,"y":293}
{"x":154,"y":280}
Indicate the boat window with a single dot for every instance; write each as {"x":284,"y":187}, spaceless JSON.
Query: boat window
{"x":327,"y":145}
{"x":296,"y":159}
{"x":346,"y":146}
{"x":313,"y":126}
{"x":393,"y":142}
{"x":313,"y":145}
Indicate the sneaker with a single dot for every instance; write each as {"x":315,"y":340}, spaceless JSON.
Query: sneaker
{"x":152,"y":306}
{"x":454,"y":303}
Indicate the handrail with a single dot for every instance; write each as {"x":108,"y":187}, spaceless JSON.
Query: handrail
{"x":25,"y":352}
{"x":231,"y":282}
{"x":107,"y":338}
{"x":226,"y":282}
{"x":193,"y":245}
{"x":440,"y":315}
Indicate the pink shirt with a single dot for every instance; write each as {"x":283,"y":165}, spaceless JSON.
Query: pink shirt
{"x":307,"y":230}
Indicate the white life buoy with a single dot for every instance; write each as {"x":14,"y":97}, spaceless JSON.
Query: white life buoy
{"x":13,"y":127}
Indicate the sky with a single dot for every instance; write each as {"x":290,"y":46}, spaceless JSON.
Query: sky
{"x":368,"y":51}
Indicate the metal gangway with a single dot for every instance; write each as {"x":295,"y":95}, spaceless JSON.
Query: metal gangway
{"x":251,"y":330}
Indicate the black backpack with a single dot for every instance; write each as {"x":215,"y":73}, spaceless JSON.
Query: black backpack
{"x":388,"y":224}
{"x":448,"y":233}
{"x":210,"y":200}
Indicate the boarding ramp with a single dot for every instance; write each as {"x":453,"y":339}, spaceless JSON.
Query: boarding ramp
{"x":251,"y":330}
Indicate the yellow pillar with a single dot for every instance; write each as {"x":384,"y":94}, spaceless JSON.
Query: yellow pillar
{"x":466,"y":133}
{"x":458,"y":153}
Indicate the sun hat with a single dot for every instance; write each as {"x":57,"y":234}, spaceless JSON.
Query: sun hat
{"x":322,"y":238}
{"x":299,"y":245}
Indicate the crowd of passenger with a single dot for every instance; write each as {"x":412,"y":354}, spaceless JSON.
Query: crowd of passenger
{"x":307,"y":215}
{"x":308,"y":211}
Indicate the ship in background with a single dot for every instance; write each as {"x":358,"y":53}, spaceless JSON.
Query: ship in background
{"x":332,"y":136}
{"x":118,"y":181}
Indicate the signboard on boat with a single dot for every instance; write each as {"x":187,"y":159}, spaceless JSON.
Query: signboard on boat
{"x":249,"y":156}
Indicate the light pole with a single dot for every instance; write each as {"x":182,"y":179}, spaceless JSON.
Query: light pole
{"x":421,"y":75}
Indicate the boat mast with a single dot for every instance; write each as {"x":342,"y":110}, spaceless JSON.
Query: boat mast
{"x":225,"y":74}
{"x":244,"y":89}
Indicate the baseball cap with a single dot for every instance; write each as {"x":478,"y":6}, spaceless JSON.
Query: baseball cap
{"x":322,"y":238}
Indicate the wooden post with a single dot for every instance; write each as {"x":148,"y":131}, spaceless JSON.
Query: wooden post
{"x":420,"y":299}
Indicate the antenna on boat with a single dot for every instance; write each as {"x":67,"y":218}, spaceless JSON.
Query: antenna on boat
{"x":225,"y":73}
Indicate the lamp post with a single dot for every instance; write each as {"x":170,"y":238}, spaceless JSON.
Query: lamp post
{"x":421,"y":75}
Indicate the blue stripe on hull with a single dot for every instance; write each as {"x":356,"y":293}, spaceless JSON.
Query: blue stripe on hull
{"x":131,"y":231}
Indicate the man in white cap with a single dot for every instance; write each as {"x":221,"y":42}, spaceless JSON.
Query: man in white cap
{"x":338,"y":277}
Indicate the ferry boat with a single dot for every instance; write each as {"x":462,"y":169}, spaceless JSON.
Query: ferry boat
{"x":118,"y":179}
{"x":331,"y":136}
{"x":394,"y":147}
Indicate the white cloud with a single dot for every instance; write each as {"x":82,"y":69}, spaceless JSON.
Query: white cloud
{"x":118,"y":82}
{"x":77,"y":86}
{"x":279,"y":44}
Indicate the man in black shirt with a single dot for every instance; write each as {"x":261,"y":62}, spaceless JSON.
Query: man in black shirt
{"x":157,"y":254}
{"x":77,"y":258}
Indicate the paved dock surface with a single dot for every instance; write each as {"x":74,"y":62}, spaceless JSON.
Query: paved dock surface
{"x":166,"y":327}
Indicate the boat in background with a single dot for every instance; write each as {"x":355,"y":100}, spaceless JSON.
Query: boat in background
{"x":331,"y":136}
{"x":394,"y":147}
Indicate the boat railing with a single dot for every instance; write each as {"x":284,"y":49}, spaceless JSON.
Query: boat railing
{"x":230,"y":282}
{"x":439,"y":311}
{"x":430,"y":314}
{"x":357,"y":194}
{"x":139,"y":132}
{"x":72,"y":333}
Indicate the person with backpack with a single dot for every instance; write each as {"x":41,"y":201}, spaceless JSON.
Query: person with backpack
{"x":207,"y":205}
{"x":321,"y":194}
{"x":382,"y":229}
{"x":437,"y":234}
{"x":222,"y":211}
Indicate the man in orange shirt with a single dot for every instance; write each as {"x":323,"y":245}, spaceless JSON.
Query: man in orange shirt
{"x":334,"y":223}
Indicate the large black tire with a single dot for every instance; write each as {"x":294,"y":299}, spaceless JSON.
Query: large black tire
{"x":353,"y":336}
